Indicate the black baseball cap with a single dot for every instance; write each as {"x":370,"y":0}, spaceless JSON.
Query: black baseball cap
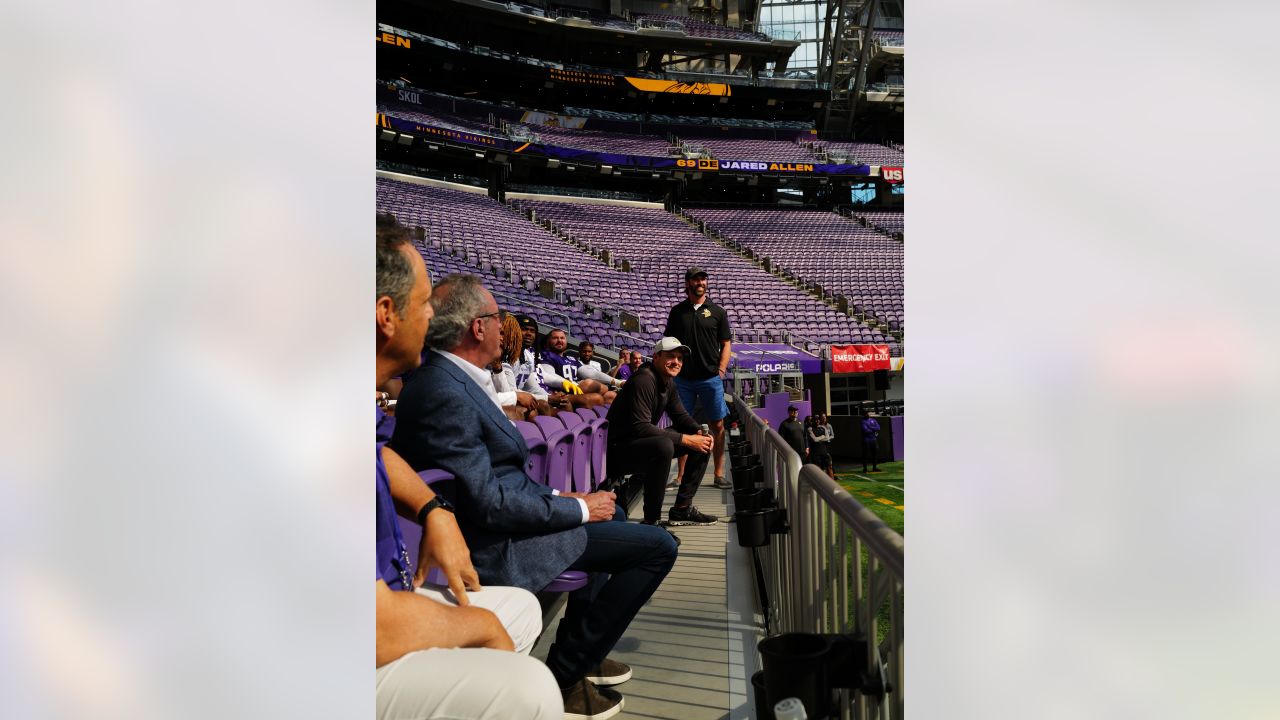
{"x":527,"y":322}
{"x":694,"y":272}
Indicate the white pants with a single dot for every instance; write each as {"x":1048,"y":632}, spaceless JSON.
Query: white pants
{"x":474,"y":682}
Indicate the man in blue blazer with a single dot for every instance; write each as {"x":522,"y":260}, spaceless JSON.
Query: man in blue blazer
{"x":522,"y":533}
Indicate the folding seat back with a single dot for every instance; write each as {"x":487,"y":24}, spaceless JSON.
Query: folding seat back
{"x":536,"y":467}
{"x":599,"y":450}
{"x":580,"y":462}
{"x":559,"y":475}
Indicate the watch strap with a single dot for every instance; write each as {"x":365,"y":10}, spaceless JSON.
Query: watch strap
{"x":435,"y":502}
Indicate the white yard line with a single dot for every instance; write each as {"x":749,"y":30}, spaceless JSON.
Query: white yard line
{"x":864,"y":477}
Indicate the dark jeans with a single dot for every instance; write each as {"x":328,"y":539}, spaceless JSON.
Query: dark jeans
{"x":650,"y":458}
{"x":870,"y":452}
{"x":627,"y":562}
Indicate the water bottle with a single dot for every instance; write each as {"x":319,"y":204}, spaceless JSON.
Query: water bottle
{"x":789,"y":709}
{"x":704,"y":429}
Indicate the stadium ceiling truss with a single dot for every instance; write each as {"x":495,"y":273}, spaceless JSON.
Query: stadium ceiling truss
{"x":836,"y":46}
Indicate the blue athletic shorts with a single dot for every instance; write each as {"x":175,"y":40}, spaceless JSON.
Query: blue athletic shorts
{"x":711,"y":394}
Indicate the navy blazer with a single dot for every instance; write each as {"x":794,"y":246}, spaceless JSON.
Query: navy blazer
{"x":518,"y":532}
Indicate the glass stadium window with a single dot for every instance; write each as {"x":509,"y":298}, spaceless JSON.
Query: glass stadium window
{"x":803,"y":20}
{"x":795,"y":21}
{"x":847,"y":394}
{"x":862,"y":193}
{"x":899,"y":189}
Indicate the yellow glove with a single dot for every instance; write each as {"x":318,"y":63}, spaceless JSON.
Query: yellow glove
{"x":571,"y":387}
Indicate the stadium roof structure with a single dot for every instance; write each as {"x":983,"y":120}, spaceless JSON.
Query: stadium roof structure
{"x":852,"y":56}
{"x":576,"y":33}
{"x":848,"y":53}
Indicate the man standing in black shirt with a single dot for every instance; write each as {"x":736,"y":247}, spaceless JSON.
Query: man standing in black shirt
{"x":704,"y":327}
{"x":637,"y":445}
{"x":793,"y":432}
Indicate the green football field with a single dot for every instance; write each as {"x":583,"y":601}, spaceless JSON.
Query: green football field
{"x":882,"y":493}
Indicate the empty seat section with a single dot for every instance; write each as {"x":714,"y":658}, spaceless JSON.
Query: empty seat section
{"x":840,"y":254}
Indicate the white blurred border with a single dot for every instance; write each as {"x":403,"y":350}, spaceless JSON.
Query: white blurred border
{"x":1091,"y":254}
{"x":185,"y":210}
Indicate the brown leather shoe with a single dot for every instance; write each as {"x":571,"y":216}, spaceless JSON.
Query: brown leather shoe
{"x":584,"y":701}
{"x":609,"y":672}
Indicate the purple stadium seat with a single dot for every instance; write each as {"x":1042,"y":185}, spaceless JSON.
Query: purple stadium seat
{"x":536,"y":467}
{"x":854,"y":258}
{"x":567,"y":581}
{"x":587,"y":414}
{"x":412,"y":534}
{"x":548,"y":424}
{"x":601,"y":410}
{"x":580,"y":464}
{"x":599,"y":447}
{"x":559,"y":453}
{"x":603,"y":141}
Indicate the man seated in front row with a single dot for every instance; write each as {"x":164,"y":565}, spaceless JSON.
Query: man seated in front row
{"x":561,"y":393}
{"x":517,"y":402}
{"x":436,"y":655}
{"x":589,"y":378}
{"x":521,"y":533}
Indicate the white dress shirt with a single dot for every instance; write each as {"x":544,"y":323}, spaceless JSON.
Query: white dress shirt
{"x":484,"y":379}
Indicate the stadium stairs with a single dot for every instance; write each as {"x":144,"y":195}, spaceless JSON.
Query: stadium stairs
{"x":654,"y":246}
{"x":874,"y":221}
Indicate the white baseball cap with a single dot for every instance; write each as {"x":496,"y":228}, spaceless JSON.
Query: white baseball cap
{"x":669,"y":343}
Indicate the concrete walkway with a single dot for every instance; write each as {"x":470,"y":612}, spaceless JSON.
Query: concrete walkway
{"x":692,"y":647}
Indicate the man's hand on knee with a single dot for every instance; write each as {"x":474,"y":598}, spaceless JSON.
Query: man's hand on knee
{"x":601,"y":505}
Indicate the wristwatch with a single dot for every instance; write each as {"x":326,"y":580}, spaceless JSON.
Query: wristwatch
{"x":436,"y":502}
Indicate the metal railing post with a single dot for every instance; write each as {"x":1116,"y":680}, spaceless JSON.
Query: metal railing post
{"x":816,"y":577}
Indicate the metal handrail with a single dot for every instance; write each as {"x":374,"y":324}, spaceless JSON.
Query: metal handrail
{"x":815,"y":576}
{"x":638,"y":342}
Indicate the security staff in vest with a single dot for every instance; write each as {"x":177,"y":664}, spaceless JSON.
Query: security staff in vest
{"x":704,"y":327}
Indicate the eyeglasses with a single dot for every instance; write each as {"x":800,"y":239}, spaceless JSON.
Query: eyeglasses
{"x":500,"y":314}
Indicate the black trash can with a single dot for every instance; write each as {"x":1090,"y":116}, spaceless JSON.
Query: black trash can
{"x":741,"y":461}
{"x":764,"y":711}
{"x":742,"y":478}
{"x":753,"y":527}
{"x":749,"y":499}
{"x":795,"y":665}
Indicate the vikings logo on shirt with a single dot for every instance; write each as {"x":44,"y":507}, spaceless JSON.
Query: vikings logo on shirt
{"x":706,"y":313}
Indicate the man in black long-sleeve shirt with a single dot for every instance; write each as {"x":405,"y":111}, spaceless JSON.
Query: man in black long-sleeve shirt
{"x":638,"y":445}
{"x":793,"y":432}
